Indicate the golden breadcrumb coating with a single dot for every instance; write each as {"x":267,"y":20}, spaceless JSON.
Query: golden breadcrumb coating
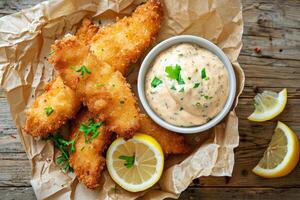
{"x":171,"y":143}
{"x":61,"y":103}
{"x":88,"y":160}
{"x":124,"y":42}
{"x":102,"y":89}
{"x":86,"y":31}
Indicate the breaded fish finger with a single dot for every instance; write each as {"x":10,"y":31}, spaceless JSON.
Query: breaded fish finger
{"x":102,"y":89}
{"x":171,"y":143}
{"x":87,"y":160}
{"x":124,"y":42}
{"x":52,"y":109}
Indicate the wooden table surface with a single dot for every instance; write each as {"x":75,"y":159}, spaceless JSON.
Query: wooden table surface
{"x":273,"y":26}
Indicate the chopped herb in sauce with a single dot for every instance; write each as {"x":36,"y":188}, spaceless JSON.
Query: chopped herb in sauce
{"x":49,"y":110}
{"x":198,"y":105}
{"x":155,"y":82}
{"x":122,"y":102}
{"x":173,"y":87}
{"x":92,"y":128}
{"x":189,"y":78}
{"x":196,"y":85}
{"x":83,"y":70}
{"x":129,"y":160}
{"x":203,"y":74}
{"x":174,"y":73}
{"x":181,"y":90}
{"x":206,"y":96}
{"x":181,"y":108}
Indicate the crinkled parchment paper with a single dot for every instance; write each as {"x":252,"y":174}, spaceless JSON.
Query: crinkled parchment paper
{"x":25,"y":40}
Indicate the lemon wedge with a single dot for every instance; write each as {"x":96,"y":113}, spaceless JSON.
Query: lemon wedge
{"x":281,"y":156}
{"x":268,"y":105}
{"x":135,"y":164}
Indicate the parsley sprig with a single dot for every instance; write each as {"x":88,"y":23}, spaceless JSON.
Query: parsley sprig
{"x":155,"y":82}
{"x":174,"y":73}
{"x":49,"y":110}
{"x":83,"y":70}
{"x":129,"y":160}
{"x":203,"y":75}
{"x":91,"y":128}
{"x":63,"y":145}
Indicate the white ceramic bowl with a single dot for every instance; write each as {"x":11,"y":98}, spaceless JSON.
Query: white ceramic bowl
{"x":147,"y":62}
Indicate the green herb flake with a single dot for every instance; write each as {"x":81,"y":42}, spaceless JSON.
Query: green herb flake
{"x":129,"y":160}
{"x":49,"y":110}
{"x":100,"y":84}
{"x":155,"y":82}
{"x":189,"y":78}
{"x":174,"y":73}
{"x":206,"y":96}
{"x":92,"y":128}
{"x":203,"y":75}
{"x":51,"y":53}
{"x":83,"y":70}
{"x":181,"y":90}
{"x":196,"y":85}
{"x":181,"y":108}
{"x":122,"y":102}
{"x":173,"y":88}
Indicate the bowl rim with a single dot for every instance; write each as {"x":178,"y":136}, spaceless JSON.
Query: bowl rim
{"x":147,"y":63}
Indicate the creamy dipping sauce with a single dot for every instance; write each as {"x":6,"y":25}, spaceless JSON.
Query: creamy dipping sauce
{"x":187,"y":85}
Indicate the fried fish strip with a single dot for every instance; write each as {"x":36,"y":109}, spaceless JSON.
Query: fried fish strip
{"x":171,"y":143}
{"x":102,"y":89}
{"x":52,"y":109}
{"x":88,"y":160}
{"x":86,"y":31}
{"x":124,"y":42}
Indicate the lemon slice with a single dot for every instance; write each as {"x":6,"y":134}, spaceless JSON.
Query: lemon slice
{"x":281,"y":156}
{"x":135,"y":164}
{"x":268,"y":105}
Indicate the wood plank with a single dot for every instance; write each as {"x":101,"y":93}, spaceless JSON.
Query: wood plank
{"x":15,"y":173}
{"x":240,"y":193}
{"x":279,"y":14}
{"x":17,"y":193}
{"x":191,"y":193}
{"x":8,"y":7}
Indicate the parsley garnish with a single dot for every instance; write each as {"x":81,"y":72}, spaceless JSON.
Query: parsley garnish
{"x":83,"y":69}
{"x":181,"y":90}
{"x":129,"y":160}
{"x":203,"y":74}
{"x":173,"y":87}
{"x":63,"y":145}
{"x":196,"y":85}
{"x":51,"y":52}
{"x":205,"y":96}
{"x":155,"y":82}
{"x":174,"y":73}
{"x":49,"y":110}
{"x":92,"y":127}
{"x":189,"y":78}
{"x":100,"y":84}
